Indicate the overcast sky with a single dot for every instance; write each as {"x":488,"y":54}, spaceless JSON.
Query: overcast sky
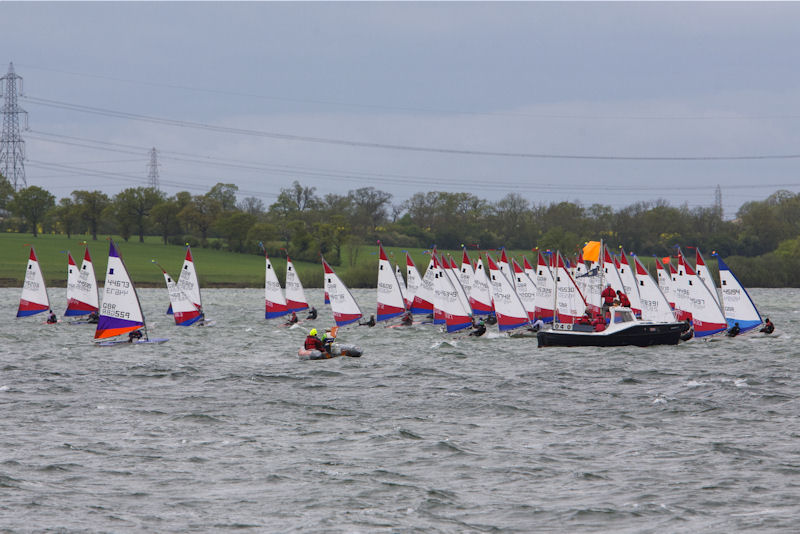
{"x":555,"y":101}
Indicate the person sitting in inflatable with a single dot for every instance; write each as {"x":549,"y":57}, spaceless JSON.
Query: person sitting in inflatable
{"x":327,"y":340}
{"x":313,"y":342}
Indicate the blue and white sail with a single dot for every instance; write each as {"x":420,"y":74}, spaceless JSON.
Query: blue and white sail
{"x":737,"y":305}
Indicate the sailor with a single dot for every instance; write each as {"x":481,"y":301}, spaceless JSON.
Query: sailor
{"x":537,"y":325}
{"x":478,"y":329}
{"x":135,"y":334}
{"x":292,"y":320}
{"x":406,"y":319}
{"x":93,"y":318}
{"x":491,"y":319}
{"x":313,"y":342}
{"x":734,"y":330}
{"x":327,"y":340}
{"x":768,"y":327}
{"x":369,"y":323}
{"x":623,"y":299}
{"x":608,"y":296}
{"x":51,"y":319}
{"x":312,"y":314}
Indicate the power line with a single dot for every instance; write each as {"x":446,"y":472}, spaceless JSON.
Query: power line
{"x":386,"y":146}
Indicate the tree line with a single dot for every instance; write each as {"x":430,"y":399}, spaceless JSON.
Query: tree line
{"x":305,"y":223}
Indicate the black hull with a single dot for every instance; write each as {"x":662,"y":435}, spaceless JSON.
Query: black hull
{"x":640,"y":335}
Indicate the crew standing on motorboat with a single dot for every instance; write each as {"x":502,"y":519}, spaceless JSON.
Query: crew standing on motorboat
{"x":608,"y":296}
{"x":623,"y":299}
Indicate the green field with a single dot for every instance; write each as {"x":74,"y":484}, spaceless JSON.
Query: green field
{"x":215,"y":268}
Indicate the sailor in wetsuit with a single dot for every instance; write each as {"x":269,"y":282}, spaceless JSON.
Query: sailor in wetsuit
{"x":292,"y":320}
{"x":370,"y":323}
{"x":734,"y":330}
{"x":134,"y":335}
{"x":93,"y":318}
{"x":478,"y":329}
{"x":768,"y":327}
{"x":406,"y":319}
{"x":312,"y":314}
{"x":51,"y":319}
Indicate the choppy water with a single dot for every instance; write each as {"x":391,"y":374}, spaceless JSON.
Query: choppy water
{"x":224,"y":428}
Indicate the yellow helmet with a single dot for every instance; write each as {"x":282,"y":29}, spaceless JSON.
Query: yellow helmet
{"x":313,"y":332}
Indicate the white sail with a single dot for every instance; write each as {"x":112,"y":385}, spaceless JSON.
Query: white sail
{"x":402,"y":283}
{"x":655,"y":306}
{"x":121,"y":312}
{"x":389,"y":295}
{"x":570,"y":305}
{"x":705,"y":275}
{"x":695,"y":302}
{"x":273,"y":294}
{"x":480,"y":298}
{"x":628,"y":277}
{"x":545,"y":290}
{"x":448,"y":308}
{"x":508,"y":308}
{"x":34,"y":298}
{"x":452,"y":272}
{"x":738,"y":306}
{"x":82,"y":296}
{"x":187,"y":281}
{"x":423,"y":297}
{"x":665,"y":281}
{"x":184,"y":311}
{"x":413,"y":282}
{"x":344,"y":307}
{"x":295,"y":296}
{"x":466,"y":274}
{"x":526,"y":289}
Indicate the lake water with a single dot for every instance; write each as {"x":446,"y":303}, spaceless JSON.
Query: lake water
{"x":224,"y":428}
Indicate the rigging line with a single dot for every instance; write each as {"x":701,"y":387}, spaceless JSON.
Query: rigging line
{"x":413,"y":108}
{"x":389,"y":146}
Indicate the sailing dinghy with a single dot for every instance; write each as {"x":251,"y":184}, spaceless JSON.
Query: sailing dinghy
{"x":390,"y":296}
{"x":82,"y":296}
{"x":121,"y":312}
{"x":184,"y":310}
{"x":273,"y":295}
{"x":737,"y":304}
{"x":344,"y":307}
{"x":34,"y":293}
{"x":295,"y":296}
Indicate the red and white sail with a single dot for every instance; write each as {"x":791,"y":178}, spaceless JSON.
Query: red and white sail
{"x":570,"y":305}
{"x":187,"y":281}
{"x":82,"y":297}
{"x":480,"y":296}
{"x":184,"y":310}
{"x":508,"y":308}
{"x":423,"y":296}
{"x":413,"y":282}
{"x":344,"y":307}
{"x":694,"y":302}
{"x":505,"y":266}
{"x":401,"y":281}
{"x":529,"y":270}
{"x":452,"y":272}
{"x":295,"y":296}
{"x":466,"y":274}
{"x":526,"y":289}
{"x":390,"y":297}
{"x":628,"y":277}
{"x":610,"y":272}
{"x":273,"y":294}
{"x":545,"y":290}
{"x":705,"y":275}
{"x":34,"y":293}
{"x":448,"y":308}
{"x":655,"y":306}
{"x":665,"y":283}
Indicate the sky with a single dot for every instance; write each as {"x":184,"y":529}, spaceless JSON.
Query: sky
{"x":610,"y":103}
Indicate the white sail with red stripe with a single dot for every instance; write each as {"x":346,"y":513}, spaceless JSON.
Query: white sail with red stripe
{"x":705,"y":275}
{"x":423,"y":297}
{"x":480,"y":296}
{"x":184,"y":310}
{"x":510,"y":311}
{"x":448,"y":308}
{"x":344,"y":307}
{"x":389,"y":295}
{"x":82,"y":296}
{"x":413,"y":281}
{"x":545,"y":290}
{"x":655,"y":306}
{"x":295,"y":296}
{"x":628,"y":277}
{"x":570,"y":305}
{"x":273,"y":294}
{"x":34,"y":293}
{"x":525,"y":288}
{"x":694,"y":302}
